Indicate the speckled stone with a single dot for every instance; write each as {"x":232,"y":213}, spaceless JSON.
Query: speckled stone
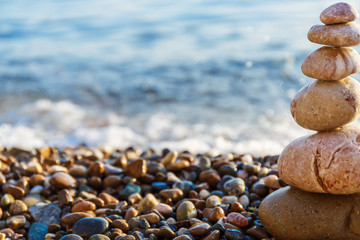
{"x":37,"y":231}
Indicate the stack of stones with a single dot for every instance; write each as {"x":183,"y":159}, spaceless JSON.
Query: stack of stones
{"x":323,"y":170}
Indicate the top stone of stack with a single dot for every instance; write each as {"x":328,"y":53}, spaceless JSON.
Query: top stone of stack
{"x":340,"y":30}
{"x":339,"y":13}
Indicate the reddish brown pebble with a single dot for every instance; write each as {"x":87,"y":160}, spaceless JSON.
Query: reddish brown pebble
{"x":216,"y":213}
{"x":214,"y":235}
{"x":257,"y":232}
{"x":83,"y":206}
{"x":122,"y":224}
{"x":136,"y":168}
{"x":130,"y":213}
{"x":111,"y":181}
{"x":37,"y":179}
{"x":164,"y":209}
{"x":175,"y":194}
{"x":62,"y":180}
{"x":15,"y":191}
{"x":108,"y":198}
{"x":71,"y":218}
{"x":182,"y":237}
{"x":96,"y":168}
{"x":339,"y":13}
{"x":237,"y":219}
{"x":237,"y":207}
{"x":64,"y":197}
{"x":200,"y":229}
{"x":152,"y":218}
{"x":177,"y":166}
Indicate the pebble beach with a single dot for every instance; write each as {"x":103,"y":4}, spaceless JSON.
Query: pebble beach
{"x":82,"y":193}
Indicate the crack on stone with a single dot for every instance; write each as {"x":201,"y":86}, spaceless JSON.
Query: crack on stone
{"x":317,"y":156}
{"x":339,"y":147}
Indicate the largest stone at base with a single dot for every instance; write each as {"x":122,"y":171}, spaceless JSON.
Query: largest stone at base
{"x":293,"y":214}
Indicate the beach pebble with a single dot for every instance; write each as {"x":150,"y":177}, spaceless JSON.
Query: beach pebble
{"x":136,"y":168}
{"x":152,"y":218}
{"x":15,"y":191}
{"x":213,"y":201}
{"x":88,"y":226}
{"x":235,"y":186}
{"x":7,"y":199}
{"x":257,"y":232}
{"x":31,"y":200}
{"x":337,"y":35}
{"x":185,"y":211}
{"x":71,"y":237}
{"x":200,"y":229}
{"x":326,"y":105}
{"x":174,"y":194}
{"x":339,"y":13}
{"x":331,"y":63}
{"x":272,"y":181}
{"x":326,"y":162}
{"x":216,"y":213}
{"x":214,"y":235}
{"x":164,"y":209}
{"x":15,"y":222}
{"x":147,"y":203}
{"x":183,"y":237}
{"x":62,"y":180}
{"x":37,"y":231}
{"x":99,"y":237}
{"x":166,"y":232}
{"x":169,"y":158}
{"x":291,"y":213}
{"x":129,"y":189}
{"x":17,"y":207}
{"x":71,"y":218}
{"x":47,"y":213}
{"x":233,"y":234}
{"x":237,"y":219}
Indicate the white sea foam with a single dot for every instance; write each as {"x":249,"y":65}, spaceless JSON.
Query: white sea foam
{"x":64,"y":123}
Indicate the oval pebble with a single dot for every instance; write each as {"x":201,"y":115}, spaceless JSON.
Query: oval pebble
{"x":88,"y":226}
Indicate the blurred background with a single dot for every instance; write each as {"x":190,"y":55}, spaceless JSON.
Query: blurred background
{"x":207,"y":76}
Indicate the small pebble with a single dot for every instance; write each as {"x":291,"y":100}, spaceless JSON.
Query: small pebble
{"x":185,"y":211}
{"x":88,"y":226}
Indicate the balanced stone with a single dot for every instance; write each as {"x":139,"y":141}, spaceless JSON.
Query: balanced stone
{"x":331,"y":63}
{"x":337,"y":35}
{"x":326,"y":162}
{"x":326,"y":105}
{"x":291,"y":213}
{"x":339,"y":13}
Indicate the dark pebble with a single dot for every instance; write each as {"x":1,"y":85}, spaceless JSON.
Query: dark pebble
{"x":37,"y":231}
{"x":99,"y":237}
{"x":71,"y":237}
{"x":144,"y":224}
{"x":129,"y":189}
{"x":227,"y":170}
{"x":233,"y":234}
{"x":88,"y":226}
{"x":185,"y":186}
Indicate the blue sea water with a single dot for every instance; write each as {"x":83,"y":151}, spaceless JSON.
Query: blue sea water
{"x":207,"y":76}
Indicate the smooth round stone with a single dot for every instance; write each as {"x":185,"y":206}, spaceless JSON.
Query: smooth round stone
{"x":71,"y":218}
{"x":331,"y":63}
{"x":164,"y":209}
{"x":129,"y":189}
{"x":166,"y":232}
{"x":88,"y":226}
{"x":18,"y":207}
{"x":62,"y":180}
{"x":15,"y":222}
{"x":326,"y":105}
{"x":337,"y":35}
{"x":339,"y":13}
{"x":233,"y":234}
{"x":200,"y":229}
{"x":71,"y":237}
{"x":235,"y":186}
{"x":237,"y":219}
{"x":326,"y":162}
{"x":99,"y":237}
{"x":185,"y":211}
{"x":291,"y":213}
{"x":37,"y":231}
